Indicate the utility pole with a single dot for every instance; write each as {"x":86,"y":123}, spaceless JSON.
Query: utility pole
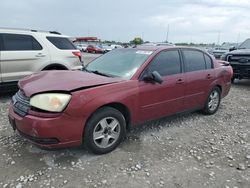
{"x":218,"y":41}
{"x":88,"y":32}
{"x":238,"y":39}
{"x":167,"y":33}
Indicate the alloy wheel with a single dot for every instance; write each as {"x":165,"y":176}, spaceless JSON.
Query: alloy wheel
{"x":106,"y":132}
{"x":214,"y":100}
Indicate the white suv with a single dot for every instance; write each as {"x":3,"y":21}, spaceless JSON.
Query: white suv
{"x":23,"y":52}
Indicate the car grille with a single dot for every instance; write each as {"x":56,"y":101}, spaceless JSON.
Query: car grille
{"x":21,"y":103}
{"x":240,"y":65}
{"x":239,"y":59}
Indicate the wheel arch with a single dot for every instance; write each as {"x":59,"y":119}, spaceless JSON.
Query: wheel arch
{"x":55,"y":66}
{"x":118,"y":106}
{"x":219,"y":86}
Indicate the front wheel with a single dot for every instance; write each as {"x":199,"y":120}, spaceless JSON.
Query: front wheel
{"x":104,"y":131}
{"x":213,"y":102}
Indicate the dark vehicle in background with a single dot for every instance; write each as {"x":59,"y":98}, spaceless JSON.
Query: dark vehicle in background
{"x":95,"y":49}
{"x":239,"y":59}
{"x":115,"y":92}
{"x":218,"y":51}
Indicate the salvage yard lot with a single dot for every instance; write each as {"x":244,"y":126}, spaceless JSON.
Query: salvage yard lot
{"x":189,"y":150}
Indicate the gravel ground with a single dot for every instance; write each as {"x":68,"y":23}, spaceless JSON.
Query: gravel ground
{"x":190,"y":150}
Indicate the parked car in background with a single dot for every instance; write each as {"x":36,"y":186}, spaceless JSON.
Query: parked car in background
{"x":107,"y":48}
{"x":23,"y":52}
{"x":164,"y":44}
{"x":95,"y":49}
{"x":116,"y":91}
{"x":114,"y":46}
{"x":239,"y":59}
{"x":157,"y":44}
{"x":82,"y":47}
{"x":219,"y":51}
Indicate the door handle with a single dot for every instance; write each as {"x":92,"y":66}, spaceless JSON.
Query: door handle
{"x":40,"y":55}
{"x":180,"y":81}
{"x":209,"y":76}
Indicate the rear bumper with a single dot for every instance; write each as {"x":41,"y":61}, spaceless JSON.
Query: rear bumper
{"x":57,"y":132}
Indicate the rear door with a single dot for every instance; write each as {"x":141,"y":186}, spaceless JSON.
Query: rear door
{"x":199,"y":77}
{"x":157,"y":100}
{"x":21,"y":55}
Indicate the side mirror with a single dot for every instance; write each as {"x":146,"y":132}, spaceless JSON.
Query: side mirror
{"x":154,"y":76}
{"x":232,"y":48}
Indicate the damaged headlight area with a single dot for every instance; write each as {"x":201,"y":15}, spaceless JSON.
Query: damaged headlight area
{"x":52,"y":102}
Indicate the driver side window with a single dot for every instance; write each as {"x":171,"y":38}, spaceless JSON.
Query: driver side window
{"x":166,"y":63}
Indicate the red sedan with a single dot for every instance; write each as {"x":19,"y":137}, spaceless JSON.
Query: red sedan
{"x":94,"y":49}
{"x":95,"y":107}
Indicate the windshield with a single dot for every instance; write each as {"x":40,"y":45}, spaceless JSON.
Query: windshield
{"x":245,"y":44}
{"x":119,"y":63}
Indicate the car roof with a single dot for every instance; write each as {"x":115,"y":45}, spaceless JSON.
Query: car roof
{"x":31,"y":31}
{"x":159,"y":48}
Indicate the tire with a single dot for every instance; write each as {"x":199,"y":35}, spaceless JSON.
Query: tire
{"x":212,"y":102}
{"x":104,"y":131}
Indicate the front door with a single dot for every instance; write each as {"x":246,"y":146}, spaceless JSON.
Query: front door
{"x":157,"y":100}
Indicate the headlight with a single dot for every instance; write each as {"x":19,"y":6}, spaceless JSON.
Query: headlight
{"x":53,"y":102}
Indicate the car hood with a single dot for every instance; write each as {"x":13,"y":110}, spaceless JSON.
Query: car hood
{"x":62,"y":81}
{"x":240,"y":52}
{"x":219,"y":51}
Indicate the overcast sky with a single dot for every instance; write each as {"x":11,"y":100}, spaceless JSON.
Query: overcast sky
{"x":122,"y":20}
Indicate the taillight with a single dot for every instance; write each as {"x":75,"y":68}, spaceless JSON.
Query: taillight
{"x":78,"y":54}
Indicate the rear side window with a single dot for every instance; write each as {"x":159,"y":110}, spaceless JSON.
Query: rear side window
{"x":16,"y":42}
{"x":209,"y":61}
{"x":62,"y":43}
{"x":194,"y":60}
{"x":166,"y":63}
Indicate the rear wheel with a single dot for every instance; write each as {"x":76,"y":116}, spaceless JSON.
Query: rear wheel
{"x":104,"y":131}
{"x":213,"y":102}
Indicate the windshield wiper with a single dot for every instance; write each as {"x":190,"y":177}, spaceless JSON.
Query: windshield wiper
{"x":97,"y":72}
{"x":85,"y":69}
{"x":101,"y":73}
